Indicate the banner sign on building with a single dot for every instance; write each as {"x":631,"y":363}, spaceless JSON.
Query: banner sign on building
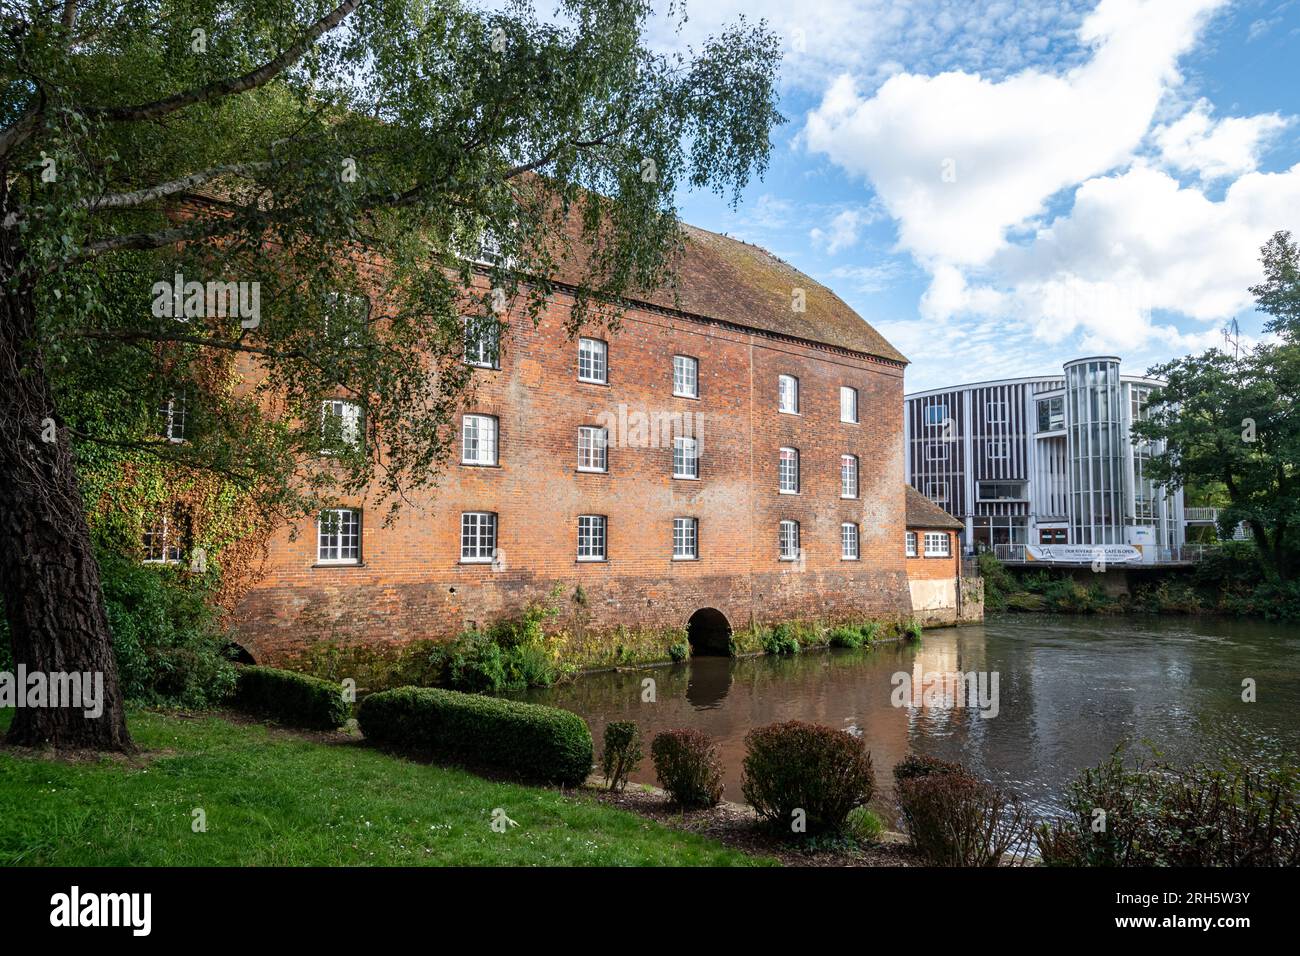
{"x":1083,"y":553}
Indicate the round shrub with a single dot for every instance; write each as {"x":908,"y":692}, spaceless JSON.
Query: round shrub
{"x":527,"y":741}
{"x":793,"y":766}
{"x":293,"y":699}
{"x":954,"y":819}
{"x":687,"y":766}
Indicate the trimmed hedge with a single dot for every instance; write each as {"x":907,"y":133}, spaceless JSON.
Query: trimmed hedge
{"x":687,"y":767}
{"x":795,"y":766}
{"x":297,"y":700}
{"x":528,"y":741}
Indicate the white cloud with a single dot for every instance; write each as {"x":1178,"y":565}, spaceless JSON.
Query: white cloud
{"x":877,"y":38}
{"x":1216,"y":148}
{"x":959,"y":159}
{"x":868,"y":278}
{"x":1137,"y":243}
{"x":843,"y":230}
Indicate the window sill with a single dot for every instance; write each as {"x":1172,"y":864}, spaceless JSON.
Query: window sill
{"x":592,"y":381}
{"x":843,"y":558}
{"x":338,"y":564}
{"x":488,"y":368}
{"x":591,"y":471}
{"x":591,"y":561}
{"x":696,"y":558}
{"x":481,"y":464}
{"x":693,"y":398}
{"x":481,"y":561}
{"x":848,"y":497}
{"x":686,"y":477}
{"x":785,"y":492}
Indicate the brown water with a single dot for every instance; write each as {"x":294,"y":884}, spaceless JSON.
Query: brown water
{"x":1069,"y":690}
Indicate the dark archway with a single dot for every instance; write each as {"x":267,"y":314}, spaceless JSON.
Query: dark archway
{"x":239,"y":654}
{"x":709,"y":633}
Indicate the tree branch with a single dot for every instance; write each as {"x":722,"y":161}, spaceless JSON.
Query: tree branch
{"x":141,"y":196}
{"x":231,"y":85}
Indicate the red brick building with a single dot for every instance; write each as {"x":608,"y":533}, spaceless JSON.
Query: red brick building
{"x":739,"y":451}
{"x":938,"y":592}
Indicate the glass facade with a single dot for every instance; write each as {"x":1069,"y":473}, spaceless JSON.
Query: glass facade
{"x":1096,"y":454}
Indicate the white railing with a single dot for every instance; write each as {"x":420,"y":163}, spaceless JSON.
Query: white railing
{"x":1201,"y":515}
{"x":1188,"y":553}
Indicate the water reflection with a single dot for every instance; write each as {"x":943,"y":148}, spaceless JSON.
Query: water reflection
{"x":1069,"y":691}
{"x":708,"y":681}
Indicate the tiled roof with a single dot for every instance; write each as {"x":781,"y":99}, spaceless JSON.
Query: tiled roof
{"x":742,"y":284}
{"x":924,"y":513}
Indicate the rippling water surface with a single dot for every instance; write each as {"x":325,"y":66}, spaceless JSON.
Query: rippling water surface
{"x":1069,"y":690}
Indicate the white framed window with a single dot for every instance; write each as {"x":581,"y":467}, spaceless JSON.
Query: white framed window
{"x":593,"y":361}
{"x":478,"y":537}
{"x":591,"y":537}
{"x":995,"y":413}
{"x":345,"y":317}
{"x":686,"y":539}
{"x":338,"y":536}
{"x":340,"y":425}
{"x":849,"y":541}
{"x":936,"y":451}
{"x":478,"y":440}
{"x":788,"y":471}
{"x":172,"y":414}
{"x":935,"y":415}
{"x":848,"y":404}
{"x":686,"y":457}
{"x":593,"y":445}
{"x":788,"y":540}
{"x":997,"y":449}
{"x":911,"y":544}
{"x":787,"y":387}
{"x":848,"y":476}
{"x":161,"y":542}
{"x":686,"y":376}
{"x":936,"y":544}
{"x":937,"y":491}
{"x":489,"y":249}
{"x":482,"y":341}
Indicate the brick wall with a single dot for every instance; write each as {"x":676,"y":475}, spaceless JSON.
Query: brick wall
{"x":933,"y":581}
{"x":410,"y":583}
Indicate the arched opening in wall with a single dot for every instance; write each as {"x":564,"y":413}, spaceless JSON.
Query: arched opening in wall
{"x":709,"y":633}
{"x":239,"y":654}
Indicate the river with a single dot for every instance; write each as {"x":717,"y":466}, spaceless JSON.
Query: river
{"x":1069,"y":690}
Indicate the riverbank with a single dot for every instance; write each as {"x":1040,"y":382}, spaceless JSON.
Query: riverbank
{"x":1228,"y":582}
{"x":210,"y":789}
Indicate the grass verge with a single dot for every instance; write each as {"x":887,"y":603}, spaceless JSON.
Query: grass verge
{"x":271,"y":798}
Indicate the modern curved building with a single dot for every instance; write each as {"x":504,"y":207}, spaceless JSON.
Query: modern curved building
{"x":1044,"y":460}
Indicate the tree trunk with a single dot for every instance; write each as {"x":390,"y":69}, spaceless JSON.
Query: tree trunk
{"x":49,"y":578}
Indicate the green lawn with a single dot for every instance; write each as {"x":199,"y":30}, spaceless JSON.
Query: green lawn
{"x":273,"y":799}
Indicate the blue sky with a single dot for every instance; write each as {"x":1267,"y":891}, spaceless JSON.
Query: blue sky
{"x":1000,"y":186}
